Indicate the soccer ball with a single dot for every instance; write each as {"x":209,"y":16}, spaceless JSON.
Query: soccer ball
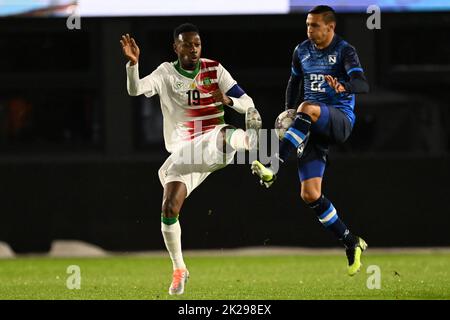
{"x":284,"y":121}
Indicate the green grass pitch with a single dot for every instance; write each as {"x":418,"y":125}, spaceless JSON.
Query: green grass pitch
{"x":296,"y":277}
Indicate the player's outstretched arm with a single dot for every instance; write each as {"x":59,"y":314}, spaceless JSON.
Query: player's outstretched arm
{"x":130,"y":49}
{"x":135,"y":85}
{"x":357,"y":83}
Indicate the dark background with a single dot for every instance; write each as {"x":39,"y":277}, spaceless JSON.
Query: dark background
{"x":79,"y":157}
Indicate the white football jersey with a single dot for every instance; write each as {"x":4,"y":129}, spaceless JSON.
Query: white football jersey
{"x":187,"y":105}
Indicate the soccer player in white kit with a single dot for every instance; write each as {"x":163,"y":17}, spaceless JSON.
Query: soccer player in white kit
{"x":193,"y":92}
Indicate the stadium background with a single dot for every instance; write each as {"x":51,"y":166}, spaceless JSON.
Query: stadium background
{"x":79,"y":157}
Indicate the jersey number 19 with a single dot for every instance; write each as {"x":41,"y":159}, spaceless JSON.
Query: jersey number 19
{"x":193,"y":97}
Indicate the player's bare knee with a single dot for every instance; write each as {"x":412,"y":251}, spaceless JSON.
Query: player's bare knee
{"x":305,"y":107}
{"x":311,"y":109}
{"x":309,"y":196}
{"x":170,"y":208}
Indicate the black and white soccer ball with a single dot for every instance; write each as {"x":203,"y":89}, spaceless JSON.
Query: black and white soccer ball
{"x":284,"y":121}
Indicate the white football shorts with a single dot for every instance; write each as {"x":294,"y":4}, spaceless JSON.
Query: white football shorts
{"x":195,"y":160}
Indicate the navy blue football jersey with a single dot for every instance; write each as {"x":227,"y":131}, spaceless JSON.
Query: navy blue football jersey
{"x":339,"y":60}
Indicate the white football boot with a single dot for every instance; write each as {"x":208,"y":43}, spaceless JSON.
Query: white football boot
{"x":179,"y":279}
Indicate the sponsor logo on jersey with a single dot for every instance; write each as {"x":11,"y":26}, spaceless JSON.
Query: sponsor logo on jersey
{"x":307,"y":56}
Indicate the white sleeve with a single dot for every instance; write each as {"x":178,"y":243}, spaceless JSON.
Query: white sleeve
{"x":224,"y":79}
{"x":149,"y":85}
{"x":242,"y":103}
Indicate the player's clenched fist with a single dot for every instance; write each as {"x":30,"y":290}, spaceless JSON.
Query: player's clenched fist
{"x":219,"y":96}
{"x":130,"y":49}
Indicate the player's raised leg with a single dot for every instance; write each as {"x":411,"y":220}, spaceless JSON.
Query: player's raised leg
{"x":311,"y":193}
{"x":297,"y":135}
{"x":174,"y":195}
{"x":295,"y":138}
{"x":239,"y":139}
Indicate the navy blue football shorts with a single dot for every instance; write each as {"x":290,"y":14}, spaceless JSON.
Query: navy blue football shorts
{"x":332,"y":127}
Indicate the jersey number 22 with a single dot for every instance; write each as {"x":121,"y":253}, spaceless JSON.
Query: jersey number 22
{"x":316,"y":82}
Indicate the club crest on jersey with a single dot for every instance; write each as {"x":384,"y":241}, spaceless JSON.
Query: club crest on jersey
{"x":332,"y":59}
{"x":206,"y":81}
{"x":179,"y":86}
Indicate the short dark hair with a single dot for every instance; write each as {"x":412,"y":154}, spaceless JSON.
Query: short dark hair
{"x":185,"y":27}
{"x":329,"y":15}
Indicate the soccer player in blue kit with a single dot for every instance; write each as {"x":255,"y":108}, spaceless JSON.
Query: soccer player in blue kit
{"x":329,"y":70}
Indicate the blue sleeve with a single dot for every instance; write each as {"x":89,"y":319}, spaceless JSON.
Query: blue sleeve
{"x":351,"y":60}
{"x":296,"y":67}
{"x":295,"y":83}
{"x":357,"y":83}
{"x":235,"y":92}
